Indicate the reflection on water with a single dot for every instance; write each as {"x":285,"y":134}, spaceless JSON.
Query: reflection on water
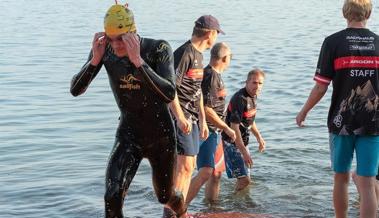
{"x":55,"y":147}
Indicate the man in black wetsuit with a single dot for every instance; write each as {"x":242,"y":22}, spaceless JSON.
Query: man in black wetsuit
{"x":141,"y":75}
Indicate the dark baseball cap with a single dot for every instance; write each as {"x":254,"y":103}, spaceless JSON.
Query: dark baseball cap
{"x":208,"y":22}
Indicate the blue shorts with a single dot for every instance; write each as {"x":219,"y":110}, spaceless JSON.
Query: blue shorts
{"x":206,"y":156}
{"x":188,"y":145}
{"x":235,"y":165}
{"x":367,"y":153}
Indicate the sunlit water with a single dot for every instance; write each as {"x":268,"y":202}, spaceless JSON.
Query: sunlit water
{"x":54,"y":147}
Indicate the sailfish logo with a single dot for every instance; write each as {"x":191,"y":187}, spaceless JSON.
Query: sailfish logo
{"x":129,"y":82}
{"x":129,"y":79}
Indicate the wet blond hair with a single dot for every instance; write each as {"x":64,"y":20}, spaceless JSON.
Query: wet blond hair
{"x":357,"y":10}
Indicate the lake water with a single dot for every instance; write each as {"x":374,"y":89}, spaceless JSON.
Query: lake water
{"x":54,"y":147}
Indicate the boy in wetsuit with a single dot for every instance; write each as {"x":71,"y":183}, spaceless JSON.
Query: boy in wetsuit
{"x":240,"y":117}
{"x":214,"y":93}
{"x":141,"y":75}
{"x":187,"y":106}
{"x":350,"y":59}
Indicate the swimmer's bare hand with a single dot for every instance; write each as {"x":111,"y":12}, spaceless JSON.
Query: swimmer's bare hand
{"x":231,"y":133}
{"x":98,"y":47}
{"x":300,"y":118}
{"x":132,"y":44}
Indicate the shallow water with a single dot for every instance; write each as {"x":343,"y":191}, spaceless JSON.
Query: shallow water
{"x":54,"y":147}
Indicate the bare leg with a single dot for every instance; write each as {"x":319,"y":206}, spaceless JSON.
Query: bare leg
{"x":354,"y":177}
{"x":212,"y":187}
{"x":183,"y":172}
{"x":340,"y":194}
{"x":185,"y":166}
{"x":377,"y":191}
{"x":368,"y":202}
{"x":242,"y":183}
{"x":199,"y":180}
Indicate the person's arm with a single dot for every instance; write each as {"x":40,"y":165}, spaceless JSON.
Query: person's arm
{"x":162,"y":80}
{"x":240,"y":145}
{"x":210,"y":87}
{"x":213,"y":118}
{"x":181,"y":65}
{"x":315,"y":96}
{"x":91,"y":68}
{"x":258,"y":136}
{"x":182,"y":122}
{"x":204,"y":131}
{"x":236,"y":109}
{"x":323,"y":76}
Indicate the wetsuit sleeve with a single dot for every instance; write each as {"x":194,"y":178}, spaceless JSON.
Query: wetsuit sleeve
{"x":325,"y":68}
{"x":236,"y":108}
{"x":81,"y":81}
{"x":162,"y":80}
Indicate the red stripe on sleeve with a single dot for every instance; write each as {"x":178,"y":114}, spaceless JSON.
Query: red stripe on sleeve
{"x":322,"y":79}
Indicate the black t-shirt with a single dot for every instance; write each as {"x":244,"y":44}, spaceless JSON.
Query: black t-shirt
{"x":241,"y":109}
{"x":350,"y":58}
{"x":214,"y":93}
{"x":188,"y":64}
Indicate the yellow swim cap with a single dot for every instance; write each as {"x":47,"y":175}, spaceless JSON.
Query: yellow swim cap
{"x":119,"y":20}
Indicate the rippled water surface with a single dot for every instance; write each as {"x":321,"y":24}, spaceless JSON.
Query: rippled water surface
{"x":54,"y":147}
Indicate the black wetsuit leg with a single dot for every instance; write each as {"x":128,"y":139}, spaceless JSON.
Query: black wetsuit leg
{"x":122,"y":167}
{"x":163,"y":171}
{"x":162,"y":158}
